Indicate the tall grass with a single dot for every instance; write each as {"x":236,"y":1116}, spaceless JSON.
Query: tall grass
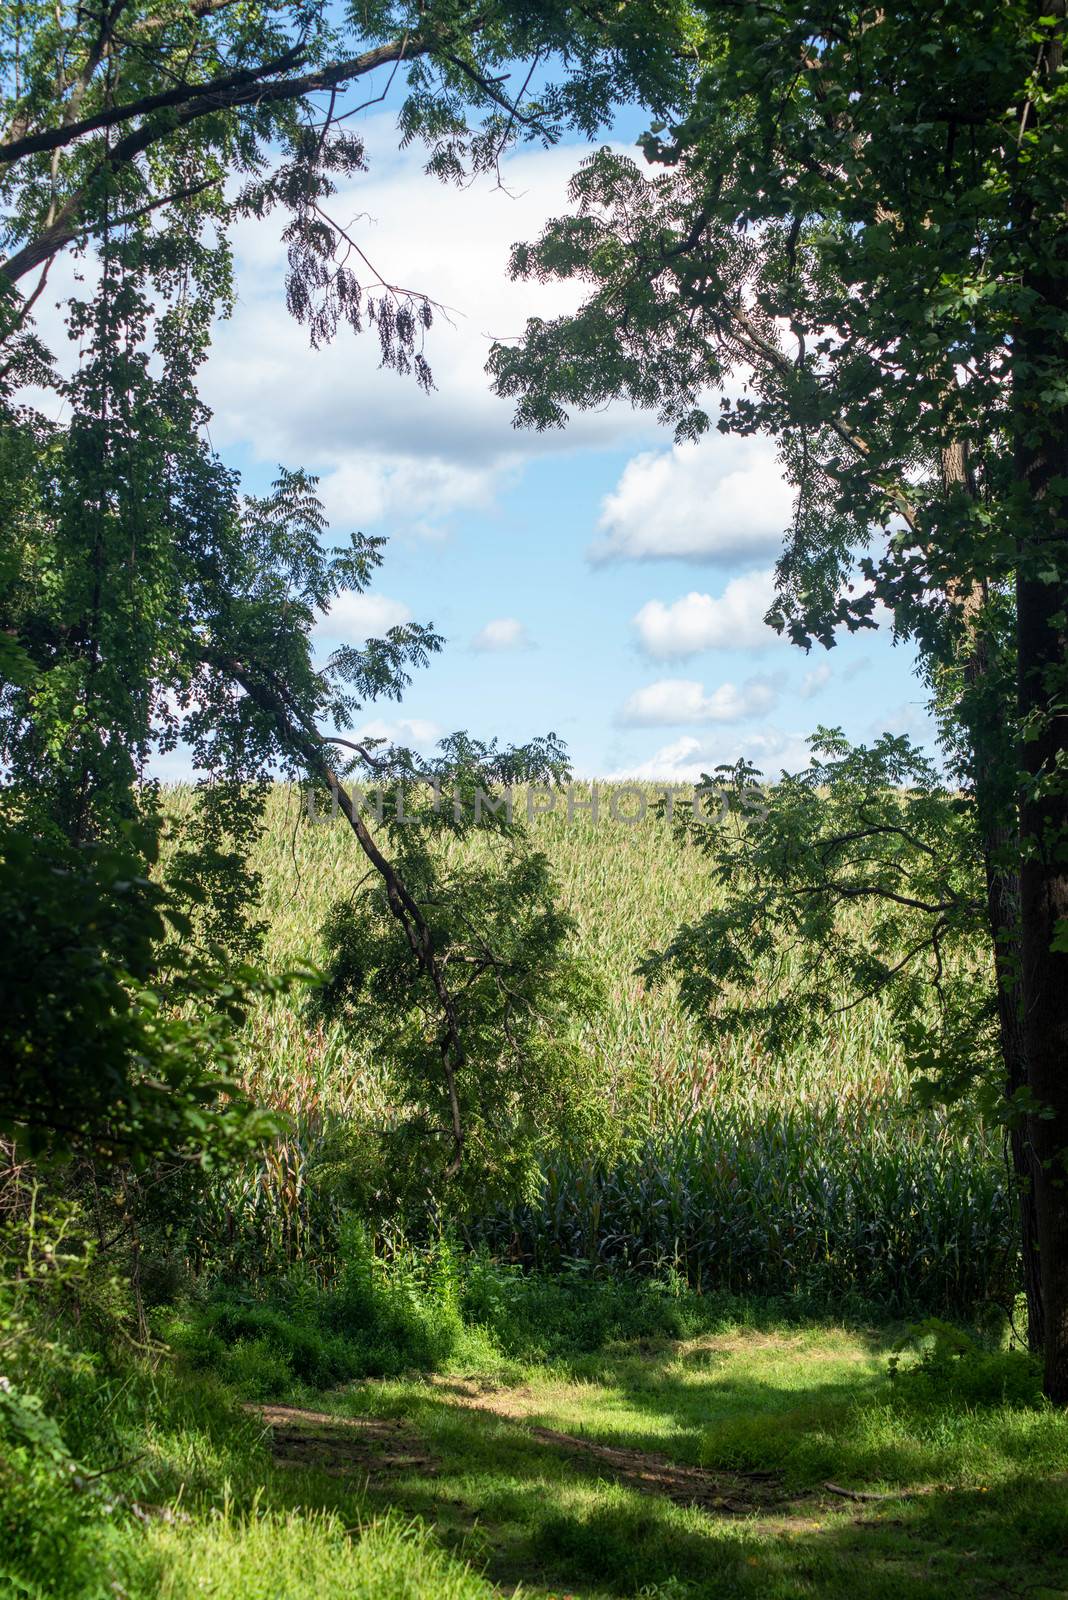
{"x":743,"y":1171}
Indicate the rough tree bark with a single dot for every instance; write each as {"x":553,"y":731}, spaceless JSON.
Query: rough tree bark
{"x":1040,"y":359}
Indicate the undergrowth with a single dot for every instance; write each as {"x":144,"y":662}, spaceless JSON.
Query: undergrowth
{"x":427,"y":1309}
{"x":133,"y":1473}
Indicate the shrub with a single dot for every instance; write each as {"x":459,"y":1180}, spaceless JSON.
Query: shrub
{"x":47,"y":1508}
{"x":953,"y":1367}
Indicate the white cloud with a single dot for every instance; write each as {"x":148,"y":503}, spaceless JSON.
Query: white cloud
{"x":354,"y":617}
{"x":415,"y":731}
{"x":721,"y":500}
{"x":684,"y":700}
{"x":389,"y":454}
{"x":422,"y":495}
{"x":686,"y":758}
{"x":815,"y":681}
{"x":733,"y":620}
{"x":912,"y":718}
{"x":503,"y":633}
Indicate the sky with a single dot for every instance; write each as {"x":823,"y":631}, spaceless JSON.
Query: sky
{"x":598,"y":582}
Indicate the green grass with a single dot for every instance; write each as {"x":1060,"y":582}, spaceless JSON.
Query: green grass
{"x":488,"y":1505}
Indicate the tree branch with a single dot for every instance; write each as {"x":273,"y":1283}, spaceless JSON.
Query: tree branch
{"x":305,"y":741}
{"x":225,"y":87}
{"x":190,"y":104}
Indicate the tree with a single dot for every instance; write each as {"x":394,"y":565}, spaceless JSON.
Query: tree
{"x":860,"y":220}
{"x":492,"y":1074}
{"x":111,"y":1049}
{"x":143,"y":599}
{"x":148,"y":106}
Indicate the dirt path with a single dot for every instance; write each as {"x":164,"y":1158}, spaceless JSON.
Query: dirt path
{"x":727,"y":1493}
{"x":737,"y":1494}
{"x":380,"y":1447}
{"x":377,"y":1447}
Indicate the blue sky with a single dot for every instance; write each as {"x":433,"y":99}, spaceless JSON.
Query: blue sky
{"x":598,"y":582}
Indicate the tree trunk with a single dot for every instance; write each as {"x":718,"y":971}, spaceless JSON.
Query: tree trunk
{"x":1043,"y":903}
{"x":1000,"y":842}
{"x":1040,"y":421}
{"x":992,"y":768}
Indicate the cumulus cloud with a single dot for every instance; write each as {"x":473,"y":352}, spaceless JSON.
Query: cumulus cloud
{"x":353,"y":617}
{"x":387,"y":453}
{"x":365,"y":490}
{"x":417,"y":732}
{"x":686,"y":758}
{"x":733,"y":620}
{"x":503,"y":633}
{"x":684,"y":700}
{"x":721,"y":500}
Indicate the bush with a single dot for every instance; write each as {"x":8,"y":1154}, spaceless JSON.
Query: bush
{"x":534,"y":1317}
{"x":383,"y":1316}
{"x":426,"y":1309}
{"x":47,"y":1508}
{"x":953,"y":1367}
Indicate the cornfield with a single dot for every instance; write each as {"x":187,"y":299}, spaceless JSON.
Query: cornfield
{"x":812,"y":1200}
{"x":742,"y":1171}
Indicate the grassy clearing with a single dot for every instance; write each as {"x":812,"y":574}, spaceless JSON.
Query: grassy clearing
{"x":575,"y":1479}
{"x":804,"y":1405}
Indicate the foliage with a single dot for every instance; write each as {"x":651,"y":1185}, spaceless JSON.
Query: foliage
{"x":403,"y":1308}
{"x":833,"y":220}
{"x":482,"y":1089}
{"x":953,"y":1366}
{"x":47,"y":1523}
{"x":862,"y":827}
{"x":110,"y":1048}
{"x":833,"y":1206}
{"x":150,"y":112}
{"x":380,"y":1317}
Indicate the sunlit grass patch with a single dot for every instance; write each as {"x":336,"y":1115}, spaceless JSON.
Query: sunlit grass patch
{"x":297,"y":1555}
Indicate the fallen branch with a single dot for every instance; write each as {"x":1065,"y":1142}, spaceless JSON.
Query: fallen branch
{"x":871,"y":1494}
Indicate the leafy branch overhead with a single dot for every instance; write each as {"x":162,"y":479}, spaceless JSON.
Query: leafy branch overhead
{"x":859,"y":879}
{"x":212,"y":111}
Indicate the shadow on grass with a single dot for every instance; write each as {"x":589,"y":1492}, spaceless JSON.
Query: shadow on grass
{"x":526,"y":1512}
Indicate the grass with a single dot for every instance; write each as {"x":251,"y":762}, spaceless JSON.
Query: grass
{"x":564,"y":1480}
